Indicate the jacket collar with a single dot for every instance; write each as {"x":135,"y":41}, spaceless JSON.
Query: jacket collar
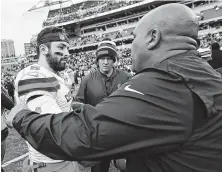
{"x":105,"y":76}
{"x":187,"y":53}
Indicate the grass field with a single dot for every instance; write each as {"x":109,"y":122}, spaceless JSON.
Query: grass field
{"x":15,"y":146}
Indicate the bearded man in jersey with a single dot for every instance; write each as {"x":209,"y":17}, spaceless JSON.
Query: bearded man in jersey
{"x":40,"y":87}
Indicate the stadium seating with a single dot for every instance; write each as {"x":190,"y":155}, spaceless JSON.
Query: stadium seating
{"x":82,"y":10}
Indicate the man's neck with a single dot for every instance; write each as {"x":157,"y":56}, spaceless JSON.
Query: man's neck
{"x":43,"y":62}
{"x":109,"y":73}
{"x":172,"y":48}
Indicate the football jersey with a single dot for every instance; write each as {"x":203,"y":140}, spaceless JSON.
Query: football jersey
{"x":40,"y":85}
{"x":68,"y":76}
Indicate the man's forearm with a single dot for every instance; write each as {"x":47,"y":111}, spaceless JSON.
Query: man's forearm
{"x":66,"y":136}
{"x":33,"y":127}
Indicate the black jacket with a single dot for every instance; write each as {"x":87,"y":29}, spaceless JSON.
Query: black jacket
{"x":96,"y":86}
{"x":164,"y":119}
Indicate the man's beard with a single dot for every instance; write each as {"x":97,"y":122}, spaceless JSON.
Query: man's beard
{"x":54,"y":62}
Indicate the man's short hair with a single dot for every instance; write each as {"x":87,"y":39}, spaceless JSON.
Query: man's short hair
{"x":215,"y":46}
{"x":51,"y":34}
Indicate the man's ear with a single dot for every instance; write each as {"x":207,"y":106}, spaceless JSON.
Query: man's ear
{"x":153,"y":38}
{"x":43,"y":49}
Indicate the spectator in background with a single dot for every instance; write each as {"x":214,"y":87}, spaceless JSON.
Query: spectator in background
{"x":82,"y":73}
{"x":198,"y":44}
{"x":10,"y":88}
{"x":76,"y":73}
{"x":101,"y":83}
{"x":216,"y":55}
{"x":6,"y":104}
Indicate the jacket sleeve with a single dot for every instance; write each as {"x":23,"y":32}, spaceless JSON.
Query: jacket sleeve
{"x":80,"y":96}
{"x":142,"y":117}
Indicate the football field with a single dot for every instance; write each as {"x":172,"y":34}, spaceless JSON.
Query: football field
{"x":15,"y":147}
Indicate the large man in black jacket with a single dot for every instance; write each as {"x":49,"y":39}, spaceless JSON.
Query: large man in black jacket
{"x":167,"y":118}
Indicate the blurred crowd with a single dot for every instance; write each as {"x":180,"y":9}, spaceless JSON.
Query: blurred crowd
{"x":8,"y":75}
{"x":9,"y":71}
{"x":93,"y":38}
{"x":209,"y":25}
{"x":207,"y":40}
{"x":84,"y":61}
{"x":82,"y":10}
{"x":79,"y":11}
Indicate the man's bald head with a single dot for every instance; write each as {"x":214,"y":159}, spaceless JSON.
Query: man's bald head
{"x":173,"y":19}
{"x":165,"y":31}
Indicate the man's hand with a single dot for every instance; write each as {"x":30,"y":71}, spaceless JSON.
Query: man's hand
{"x":10,"y":116}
